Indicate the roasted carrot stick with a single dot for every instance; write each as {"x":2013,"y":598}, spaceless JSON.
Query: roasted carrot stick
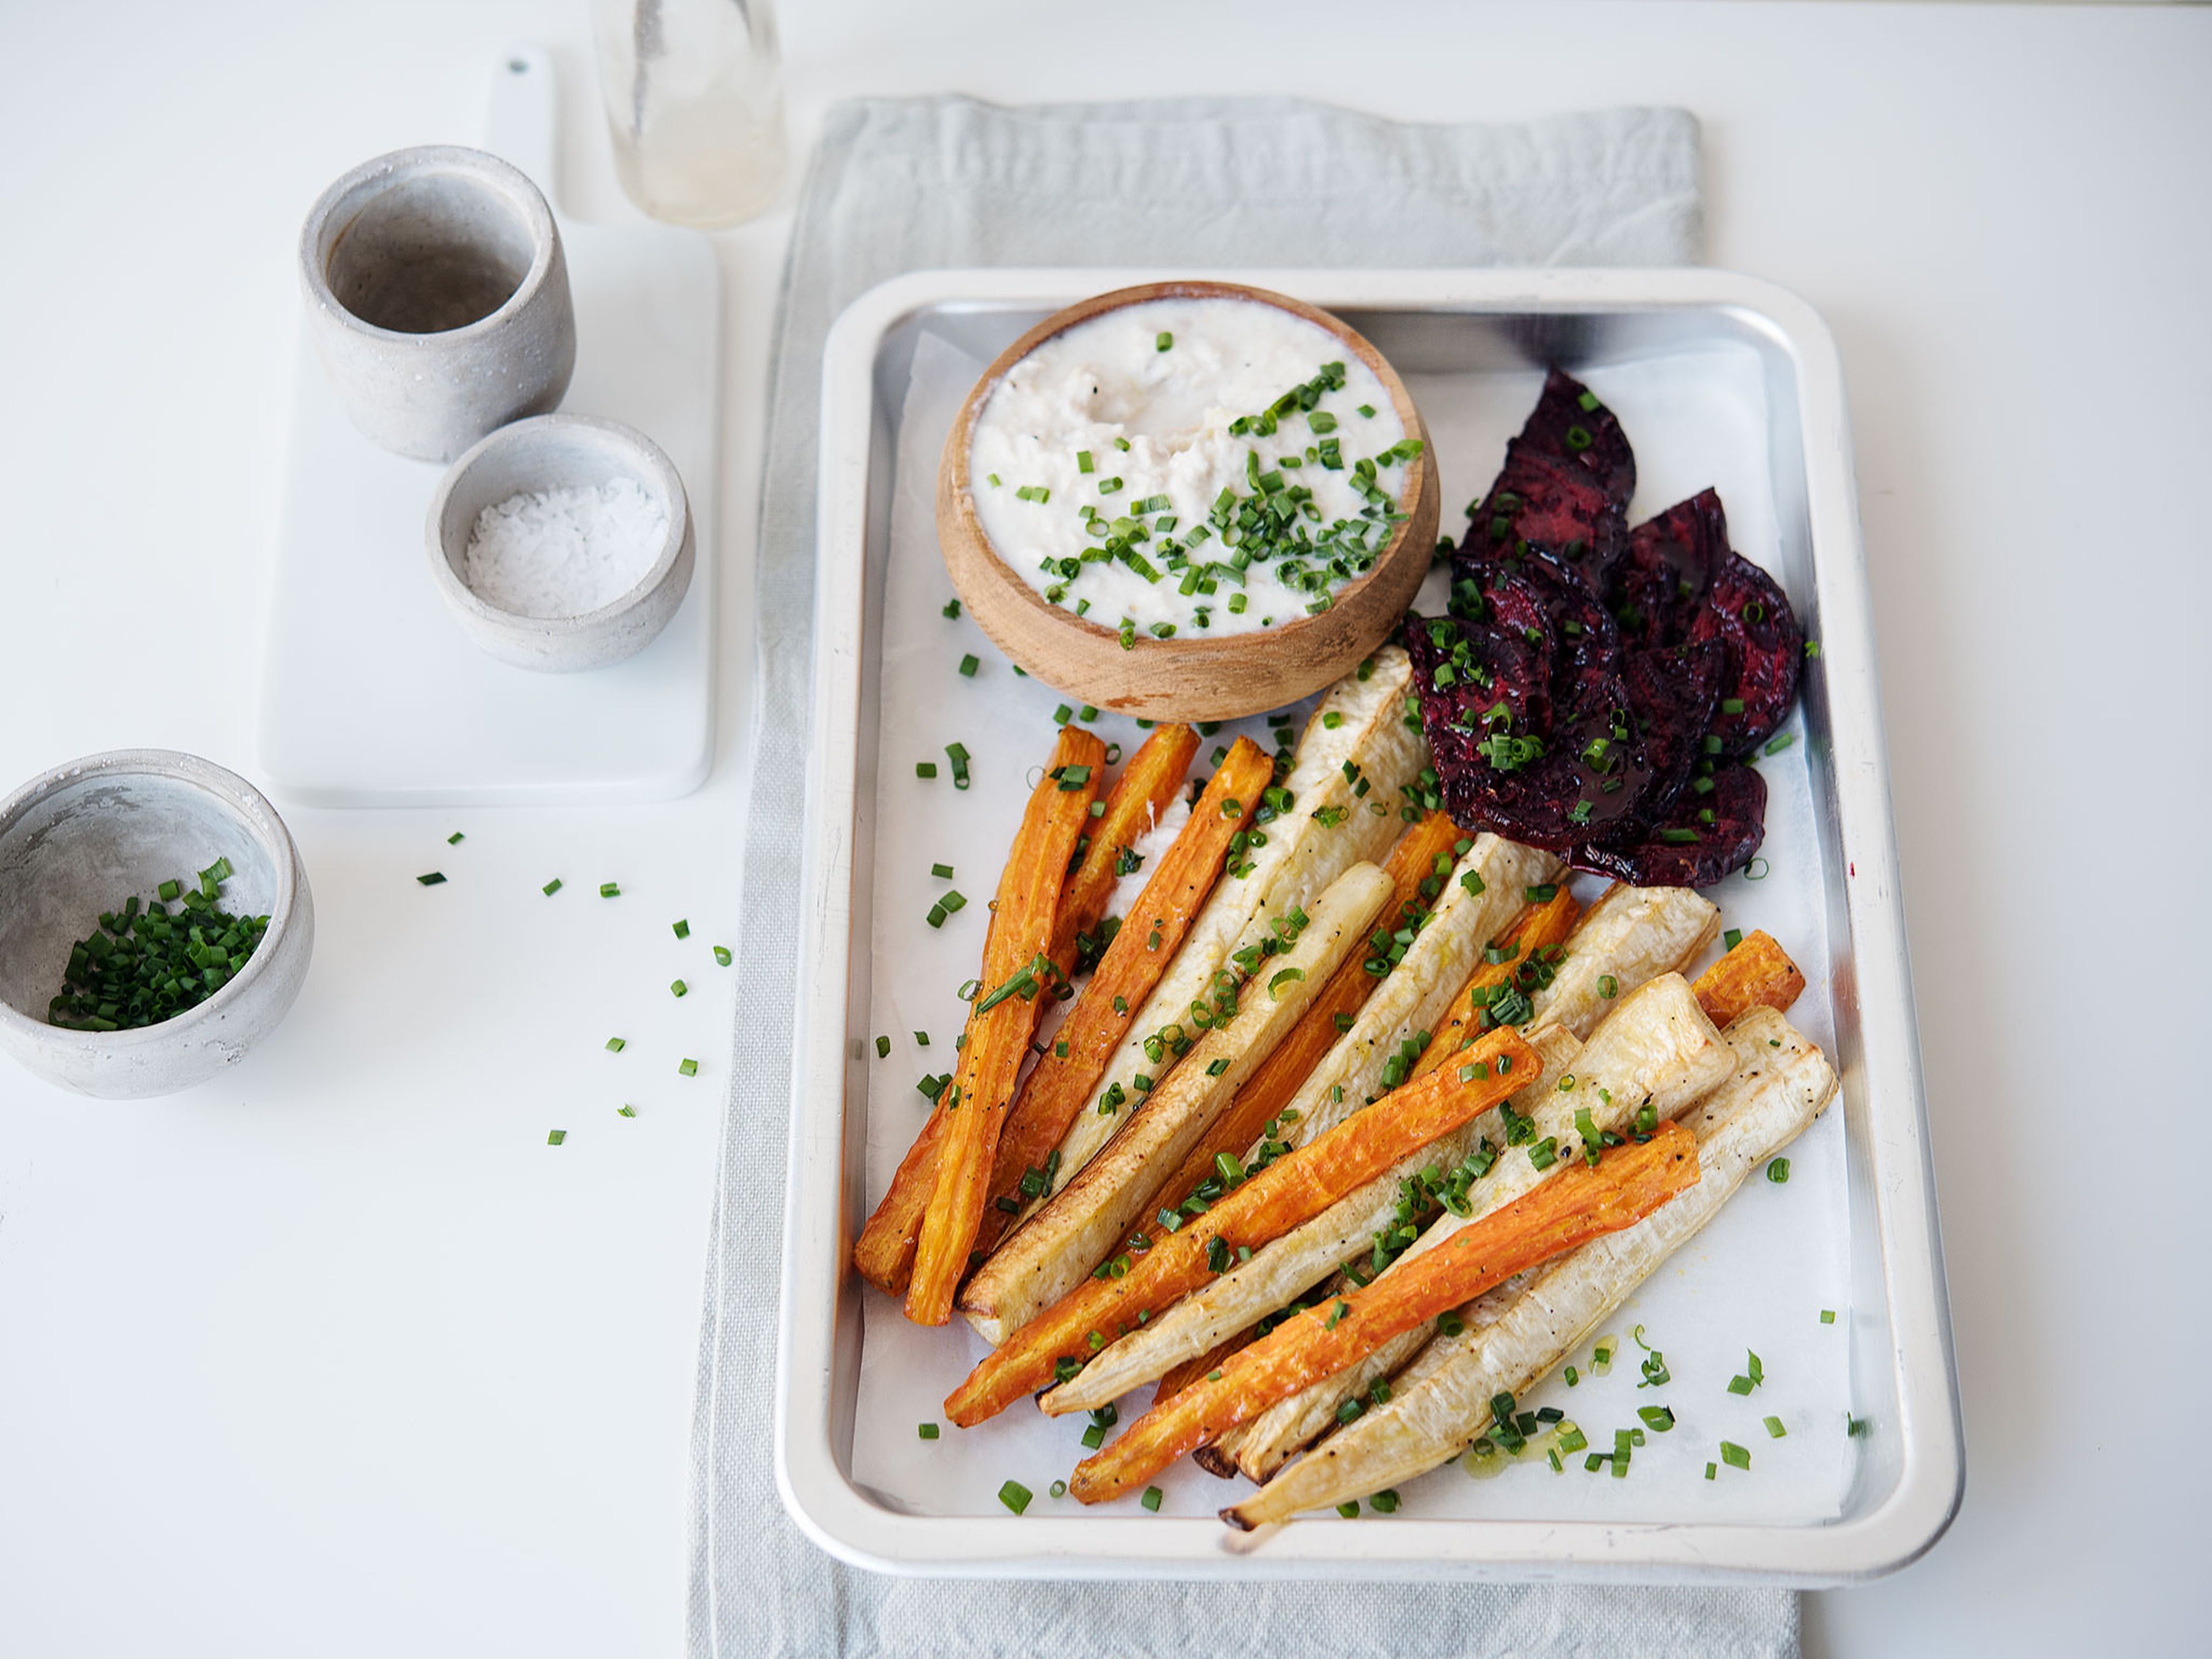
{"x":999,"y":1028}
{"x":1147,"y":784}
{"x":1193,"y":1370}
{"x":1562,"y":1214}
{"x":1415,"y":880}
{"x":883,"y":1253}
{"x":1285,"y":1193}
{"x":1757,"y":974}
{"x":1151,"y":934}
{"x":1536,"y":928}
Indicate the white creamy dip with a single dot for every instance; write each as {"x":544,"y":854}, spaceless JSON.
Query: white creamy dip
{"x":1147,"y":470}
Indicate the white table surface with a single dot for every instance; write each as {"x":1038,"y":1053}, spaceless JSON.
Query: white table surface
{"x":336,"y":1356}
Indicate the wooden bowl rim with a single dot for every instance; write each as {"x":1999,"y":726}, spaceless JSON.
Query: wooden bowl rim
{"x":953,"y":467}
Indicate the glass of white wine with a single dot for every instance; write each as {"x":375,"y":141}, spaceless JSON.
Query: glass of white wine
{"x":694,"y":92}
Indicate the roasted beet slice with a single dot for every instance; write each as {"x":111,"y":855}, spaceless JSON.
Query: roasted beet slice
{"x":1566,"y":485}
{"x":1598,"y":775}
{"x":1746,"y":612}
{"x":1468,"y":669}
{"x":1708,"y":835}
{"x":1539,"y":501}
{"x":1584,"y":633}
{"x":1570,"y":423}
{"x":1660,"y":587}
{"x":1672,"y":694}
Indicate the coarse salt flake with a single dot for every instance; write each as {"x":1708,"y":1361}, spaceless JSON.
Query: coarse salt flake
{"x":564,"y":552}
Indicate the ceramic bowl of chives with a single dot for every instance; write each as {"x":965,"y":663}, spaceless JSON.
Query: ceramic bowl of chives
{"x":85,"y":838}
{"x":1191,"y":677}
{"x":560,"y":451}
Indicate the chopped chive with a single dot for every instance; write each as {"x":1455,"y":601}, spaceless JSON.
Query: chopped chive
{"x":1731,"y":938}
{"x":682,"y":929}
{"x":1777,"y":1171}
{"x":1083,"y":463}
{"x":551,"y":887}
{"x":927,"y":1431}
{"x":969,"y":664}
{"x":615,"y":1045}
{"x":1367,"y":411}
{"x":1775,"y":745}
{"x":1350,"y":1510}
{"x":1712,"y":1471}
{"x":1827,"y":1316}
{"x":1151,"y":1500}
{"x":555,"y":1137}
{"x":610,"y":889}
{"x":689,"y":1068}
{"x":1015,"y":1496}
{"x":433,"y":878}
{"x":678,"y":987}
{"x":1736,"y":1456}
{"x":1163,"y":340}
{"x":722,"y":955}
{"x":625,"y":1111}
{"x":1774,"y":1429}
{"x":942,"y":871}
{"x":925,"y":769}
{"x":455,"y":839}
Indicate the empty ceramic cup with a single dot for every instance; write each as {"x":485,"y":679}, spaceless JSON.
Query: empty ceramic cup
{"x":438,"y":297}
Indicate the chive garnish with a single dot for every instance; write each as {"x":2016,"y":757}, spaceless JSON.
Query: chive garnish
{"x":610,"y":889}
{"x":678,"y":987}
{"x":555,"y":1137}
{"x":969,"y":664}
{"x":551,"y":887}
{"x":682,"y":929}
{"x":1015,"y":1496}
{"x":689,"y":1068}
{"x":433,"y":879}
{"x":615,"y":1045}
{"x":1151,"y":1500}
{"x":455,"y":839}
{"x":1736,"y":1456}
{"x":927,"y":1431}
{"x":1163,"y":340}
{"x":722,"y":955}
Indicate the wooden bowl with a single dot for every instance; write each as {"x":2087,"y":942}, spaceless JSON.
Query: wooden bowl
{"x":1189,"y":678}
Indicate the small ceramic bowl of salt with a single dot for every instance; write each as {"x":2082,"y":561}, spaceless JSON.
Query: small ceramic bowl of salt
{"x":562,"y":542}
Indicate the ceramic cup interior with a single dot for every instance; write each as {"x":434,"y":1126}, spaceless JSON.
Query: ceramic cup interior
{"x":92,"y":841}
{"x":430,"y":253}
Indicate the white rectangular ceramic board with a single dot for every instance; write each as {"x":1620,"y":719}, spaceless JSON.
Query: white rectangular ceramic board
{"x":1718,"y":380}
{"x":371,"y":694}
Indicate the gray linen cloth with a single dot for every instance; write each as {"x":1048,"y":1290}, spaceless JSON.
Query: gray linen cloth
{"x":899,"y":186}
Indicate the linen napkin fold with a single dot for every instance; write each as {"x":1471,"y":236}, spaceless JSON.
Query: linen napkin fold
{"x":905,"y":185}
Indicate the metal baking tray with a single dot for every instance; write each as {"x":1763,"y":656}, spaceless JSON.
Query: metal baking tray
{"x":1749,"y":372}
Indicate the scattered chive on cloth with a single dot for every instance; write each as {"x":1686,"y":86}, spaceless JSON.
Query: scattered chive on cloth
{"x":907,"y":185}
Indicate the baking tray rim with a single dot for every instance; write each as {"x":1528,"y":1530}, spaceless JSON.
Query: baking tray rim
{"x":841,"y":1517}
